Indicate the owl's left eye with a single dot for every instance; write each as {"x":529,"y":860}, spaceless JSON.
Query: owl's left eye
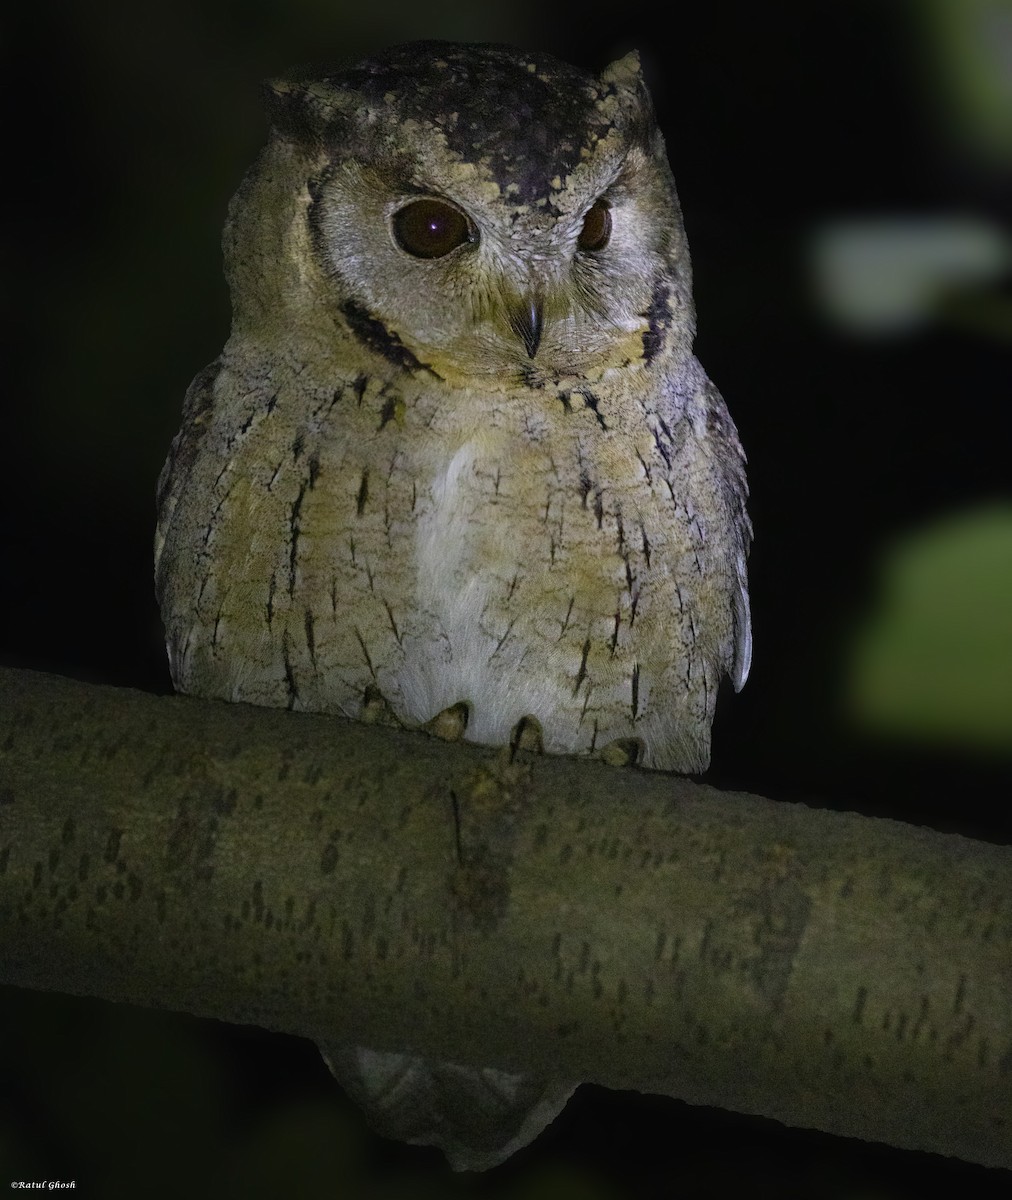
{"x":430,"y":228}
{"x":596,"y":227}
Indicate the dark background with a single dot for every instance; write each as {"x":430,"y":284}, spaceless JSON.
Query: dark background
{"x":138,"y":122}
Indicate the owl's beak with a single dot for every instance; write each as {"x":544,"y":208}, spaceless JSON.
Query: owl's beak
{"x":526,"y":322}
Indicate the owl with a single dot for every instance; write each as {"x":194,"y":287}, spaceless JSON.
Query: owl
{"x":457,"y":455}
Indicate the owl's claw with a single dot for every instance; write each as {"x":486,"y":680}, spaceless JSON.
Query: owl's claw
{"x":622,"y":752}
{"x":449,"y":724}
{"x":526,"y":735}
{"x":376,"y":709}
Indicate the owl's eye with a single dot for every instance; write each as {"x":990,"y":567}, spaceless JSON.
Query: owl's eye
{"x":596,"y":227}
{"x":430,"y":228}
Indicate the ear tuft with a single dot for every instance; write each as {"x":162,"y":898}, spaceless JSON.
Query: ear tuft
{"x":294,"y":108}
{"x":624,"y":72}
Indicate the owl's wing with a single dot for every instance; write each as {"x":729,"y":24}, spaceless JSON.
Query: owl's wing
{"x":742,"y":661}
{"x":184,"y":450}
{"x":733,"y":485}
{"x":478,"y":1117}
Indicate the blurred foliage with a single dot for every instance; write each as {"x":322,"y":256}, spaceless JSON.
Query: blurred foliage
{"x":887,"y":277}
{"x":967,"y":57}
{"x":934,"y":660}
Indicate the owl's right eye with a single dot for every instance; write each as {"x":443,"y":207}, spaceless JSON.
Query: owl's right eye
{"x":596,"y":227}
{"x":430,"y":228}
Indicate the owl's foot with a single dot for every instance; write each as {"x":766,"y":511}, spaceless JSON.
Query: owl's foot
{"x":451,"y":723}
{"x":376,"y":709}
{"x":622,"y":752}
{"x":526,"y":735}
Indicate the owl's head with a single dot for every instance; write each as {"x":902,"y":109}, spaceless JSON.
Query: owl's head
{"x":486,"y":213}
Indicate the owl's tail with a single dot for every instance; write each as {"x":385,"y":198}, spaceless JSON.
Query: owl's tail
{"x":477,"y":1116}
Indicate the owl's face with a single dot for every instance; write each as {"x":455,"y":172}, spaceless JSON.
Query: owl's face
{"x":488,"y":214}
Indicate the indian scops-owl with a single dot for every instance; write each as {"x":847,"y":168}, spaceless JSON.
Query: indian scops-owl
{"x":457,"y":448}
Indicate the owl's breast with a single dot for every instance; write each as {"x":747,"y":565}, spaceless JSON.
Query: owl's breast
{"x":551,"y":577}
{"x":524,"y":558}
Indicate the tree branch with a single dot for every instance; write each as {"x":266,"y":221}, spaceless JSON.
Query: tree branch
{"x":638,"y":930}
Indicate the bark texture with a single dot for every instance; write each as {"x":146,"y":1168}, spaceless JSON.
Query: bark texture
{"x":638,"y":930}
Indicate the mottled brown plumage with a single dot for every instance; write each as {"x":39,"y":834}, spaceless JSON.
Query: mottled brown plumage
{"x":461,"y":452}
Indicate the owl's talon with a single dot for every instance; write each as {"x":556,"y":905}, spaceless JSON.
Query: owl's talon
{"x":376,"y":709}
{"x":449,"y":724}
{"x":622,"y":752}
{"x":526,"y":735}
